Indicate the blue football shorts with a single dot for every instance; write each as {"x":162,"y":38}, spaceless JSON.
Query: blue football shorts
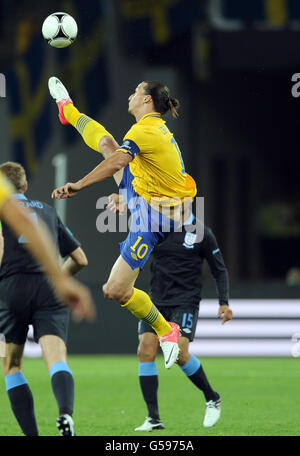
{"x":148,"y":227}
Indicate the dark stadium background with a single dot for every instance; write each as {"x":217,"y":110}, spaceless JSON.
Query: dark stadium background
{"x":230,"y":63}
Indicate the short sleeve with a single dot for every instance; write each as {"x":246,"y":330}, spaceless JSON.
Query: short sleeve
{"x":67,"y":242}
{"x":135,"y":141}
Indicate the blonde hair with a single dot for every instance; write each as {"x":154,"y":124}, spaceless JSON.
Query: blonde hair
{"x":15,"y":173}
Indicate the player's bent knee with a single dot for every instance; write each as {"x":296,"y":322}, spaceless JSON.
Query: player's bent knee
{"x":116,"y":292}
{"x":184,"y":355}
{"x":146,"y":352}
{"x":54,"y":349}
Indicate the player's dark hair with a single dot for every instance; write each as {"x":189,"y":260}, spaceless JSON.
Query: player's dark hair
{"x":15,"y":173}
{"x":161,"y":98}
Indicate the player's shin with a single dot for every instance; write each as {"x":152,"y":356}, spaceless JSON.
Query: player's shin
{"x":21,"y":402}
{"x":63,"y":387}
{"x":141,"y":306}
{"x":148,"y":377}
{"x":91,"y":131}
{"x":194,"y":371}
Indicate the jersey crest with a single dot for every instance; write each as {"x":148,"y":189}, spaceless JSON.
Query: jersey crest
{"x":189,"y":240}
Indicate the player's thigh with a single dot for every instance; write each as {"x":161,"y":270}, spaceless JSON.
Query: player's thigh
{"x":54,"y":349}
{"x":148,"y":346}
{"x":12,"y":362}
{"x":50,"y":317}
{"x":121,"y":281}
{"x":16,"y":294}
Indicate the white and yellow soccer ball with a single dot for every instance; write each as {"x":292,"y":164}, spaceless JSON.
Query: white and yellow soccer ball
{"x":59,"y":29}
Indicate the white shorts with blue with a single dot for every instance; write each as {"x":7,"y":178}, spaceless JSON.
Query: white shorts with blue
{"x":148,"y":227}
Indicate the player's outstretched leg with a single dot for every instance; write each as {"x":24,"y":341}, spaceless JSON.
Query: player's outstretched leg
{"x":141,"y":306}
{"x":61,"y":96}
{"x":91,"y":131}
{"x":169,"y":345}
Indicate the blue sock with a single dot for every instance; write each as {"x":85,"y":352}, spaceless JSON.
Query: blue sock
{"x":194,"y":371}
{"x":63,"y":387}
{"x":148,"y":377}
{"x":191,"y":366}
{"x":21,"y":402}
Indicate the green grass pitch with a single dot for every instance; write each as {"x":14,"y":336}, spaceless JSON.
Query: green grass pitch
{"x":260,"y":398}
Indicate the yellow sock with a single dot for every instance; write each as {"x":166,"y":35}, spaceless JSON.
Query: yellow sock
{"x":91,"y":131}
{"x":141,"y":306}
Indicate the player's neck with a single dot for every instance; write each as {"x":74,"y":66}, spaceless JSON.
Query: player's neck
{"x":143,"y":112}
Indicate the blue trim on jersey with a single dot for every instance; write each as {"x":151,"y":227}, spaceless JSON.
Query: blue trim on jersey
{"x":131,"y":147}
{"x":158,"y":115}
{"x":215,"y":251}
{"x":58,"y":367}
{"x":14,"y":380}
{"x":20,"y":196}
{"x":125,"y":186}
{"x":147,"y":369}
{"x":191,"y":366}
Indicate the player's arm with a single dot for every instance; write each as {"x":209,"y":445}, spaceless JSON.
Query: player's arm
{"x":108,"y":146}
{"x":105,"y":169}
{"x":70,"y":248}
{"x":76,"y":261}
{"x":42,"y":248}
{"x":213,"y":256}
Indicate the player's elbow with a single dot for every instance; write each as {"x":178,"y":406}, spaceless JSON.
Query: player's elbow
{"x":80,"y":258}
{"x":108,"y":145}
{"x":122,"y":159}
{"x":83,"y":262}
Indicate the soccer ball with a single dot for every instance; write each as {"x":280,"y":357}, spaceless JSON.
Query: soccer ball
{"x":59,"y":29}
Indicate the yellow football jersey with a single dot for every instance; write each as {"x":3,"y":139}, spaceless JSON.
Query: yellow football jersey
{"x":6,"y":189}
{"x":157,"y":167}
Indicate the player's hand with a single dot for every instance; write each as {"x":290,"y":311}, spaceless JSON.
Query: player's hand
{"x":116,"y":202}
{"x":66,"y":191}
{"x":226,"y":312}
{"x":76,"y":296}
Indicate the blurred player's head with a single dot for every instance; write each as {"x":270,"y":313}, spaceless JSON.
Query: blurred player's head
{"x":16,"y":174}
{"x":152,"y":96}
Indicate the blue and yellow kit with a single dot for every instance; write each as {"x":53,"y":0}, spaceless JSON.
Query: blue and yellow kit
{"x":155,"y":177}
{"x":157,"y":169}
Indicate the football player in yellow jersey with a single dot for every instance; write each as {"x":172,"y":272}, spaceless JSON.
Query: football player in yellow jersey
{"x":41,"y":246}
{"x":149,"y":170}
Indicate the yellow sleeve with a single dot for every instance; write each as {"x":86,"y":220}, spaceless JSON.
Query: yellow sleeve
{"x":136,"y":141}
{"x":6,"y":189}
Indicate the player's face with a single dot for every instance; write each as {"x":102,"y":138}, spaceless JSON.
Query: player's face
{"x":137,"y":99}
